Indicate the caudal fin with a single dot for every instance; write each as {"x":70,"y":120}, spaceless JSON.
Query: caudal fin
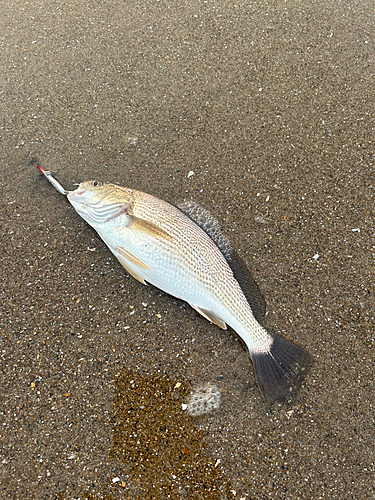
{"x":280,"y":371}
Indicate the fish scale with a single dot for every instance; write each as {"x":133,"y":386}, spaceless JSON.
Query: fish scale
{"x":159,"y":244}
{"x":201,"y":267}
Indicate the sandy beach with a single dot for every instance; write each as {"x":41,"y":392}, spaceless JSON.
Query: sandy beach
{"x":261,"y":112}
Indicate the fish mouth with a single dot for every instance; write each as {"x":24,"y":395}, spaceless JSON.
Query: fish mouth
{"x":72,"y":195}
{"x":77,"y":200}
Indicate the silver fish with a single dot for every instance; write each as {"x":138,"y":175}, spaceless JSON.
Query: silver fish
{"x":187,"y":256}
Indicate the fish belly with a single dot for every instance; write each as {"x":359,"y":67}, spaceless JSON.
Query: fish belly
{"x":187,"y":275}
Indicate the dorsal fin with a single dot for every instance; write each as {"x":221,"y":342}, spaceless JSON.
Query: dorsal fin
{"x":211,"y":226}
{"x":208,"y":223}
{"x":249,"y":286}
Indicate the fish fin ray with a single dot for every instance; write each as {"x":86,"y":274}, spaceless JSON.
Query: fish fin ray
{"x":210,"y":316}
{"x":144,"y":226}
{"x":248,"y":285}
{"x":280,"y":371}
{"x":206,"y":221}
{"x":129,"y":256}
{"x":125,"y":259}
{"x":125,"y":264}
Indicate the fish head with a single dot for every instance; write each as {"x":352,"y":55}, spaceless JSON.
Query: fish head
{"x":97,"y":202}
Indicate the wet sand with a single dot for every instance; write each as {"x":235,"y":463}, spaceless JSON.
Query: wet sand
{"x":271,"y":106}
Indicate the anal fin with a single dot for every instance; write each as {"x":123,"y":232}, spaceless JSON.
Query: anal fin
{"x":211,"y":317}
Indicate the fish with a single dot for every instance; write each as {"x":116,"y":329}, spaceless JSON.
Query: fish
{"x":183,"y":251}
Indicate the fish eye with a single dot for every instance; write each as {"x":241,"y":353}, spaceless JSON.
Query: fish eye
{"x":97,"y":183}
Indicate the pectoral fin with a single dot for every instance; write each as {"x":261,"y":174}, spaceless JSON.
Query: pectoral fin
{"x":126,"y":259}
{"x":147,"y":227}
{"x":212,"y":318}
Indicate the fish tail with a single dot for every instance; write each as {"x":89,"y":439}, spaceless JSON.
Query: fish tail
{"x":281,"y":370}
